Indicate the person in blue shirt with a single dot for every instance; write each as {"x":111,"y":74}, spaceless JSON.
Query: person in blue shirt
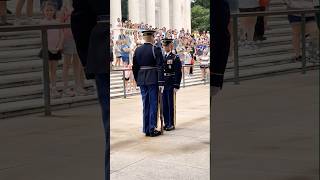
{"x":125,"y":52}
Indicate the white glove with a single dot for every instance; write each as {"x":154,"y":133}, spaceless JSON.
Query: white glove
{"x":175,"y":90}
{"x":161,"y":88}
{"x":215,"y":90}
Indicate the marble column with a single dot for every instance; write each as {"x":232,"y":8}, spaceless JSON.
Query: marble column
{"x":188,"y":15}
{"x":134,"y":10}
{"x":177,"y":14}
{"x":151,"y":12}
{"x":164,"y":14}
{"x":115,"y":11}
{"x":142,"y":11}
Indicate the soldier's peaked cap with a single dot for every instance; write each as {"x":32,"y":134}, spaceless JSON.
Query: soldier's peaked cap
{"x":148,"y":32}
{"x":167,"y":41}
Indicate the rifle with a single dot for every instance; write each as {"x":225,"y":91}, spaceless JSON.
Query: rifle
{"x":160,"y":110}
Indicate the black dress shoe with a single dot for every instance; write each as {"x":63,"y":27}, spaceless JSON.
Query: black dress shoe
{"x":154,"y":133}
{"x":169,"y":128}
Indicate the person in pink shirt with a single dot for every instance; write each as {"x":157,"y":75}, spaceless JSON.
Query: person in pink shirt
{"x":55,"y":40}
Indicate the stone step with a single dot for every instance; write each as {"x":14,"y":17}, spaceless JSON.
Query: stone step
{"x":36,"y":105}
{"x":269,"y":70}
{"x":252,"y":61}
{"x":14,"y":55}
{"x":13,"y":44}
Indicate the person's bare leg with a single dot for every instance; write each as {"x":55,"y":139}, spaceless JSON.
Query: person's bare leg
{"x":19,"y":7}
{"x":78,"y":75}
{"x":202,"y":73}
{"x":30,"y":8}
{"x":3,"y":12}
{"x":313,"y":31}
{"x":54,"y":73}
{"x":250,"y":27}
{"x":65,"y":70}
{"x":296,"y":33}
{"x":50,"y":73}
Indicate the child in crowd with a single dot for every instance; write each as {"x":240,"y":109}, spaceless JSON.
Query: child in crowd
{"x":129,"y":80}
{"x":204,"y":63}
{"x":55,"y":44}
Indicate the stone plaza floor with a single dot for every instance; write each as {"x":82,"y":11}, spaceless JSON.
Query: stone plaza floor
{"x":69,"y":145}
{"x":250,"y":141}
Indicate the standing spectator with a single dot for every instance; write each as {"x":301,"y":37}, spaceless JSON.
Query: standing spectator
{"x":59,"y":3}
{"x":117,"y":52}
{"x":295,"y":21}
{"x":261,"y":22}
{"x":3,"y":13}
{"x":247,"y":24}
{"x":125,"y":53}
{"x":55,"y":43}
{"x":204,"y":64}
{"x":119,"y":23}
{"x":121,"y":36}
{"x":234,"y":8}
{"x":111,"y":54}
{"x":71,"y":57}
{"x":29,"y":10}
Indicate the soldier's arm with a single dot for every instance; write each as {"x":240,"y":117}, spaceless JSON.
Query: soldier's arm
{"x":178,"y":72}
{"x":135,"y":67}
{"x":159,"y":57}
{"x":221,"y":39}
{"x":82,"y":23}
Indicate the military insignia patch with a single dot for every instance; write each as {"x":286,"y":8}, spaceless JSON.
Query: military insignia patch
{"x":169,"y":61}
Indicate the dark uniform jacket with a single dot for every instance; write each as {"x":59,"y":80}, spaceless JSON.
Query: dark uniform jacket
{"x":220,"y":41}
{"x":92,"y":38}
{"x":148,"y":65}
{"x":172,"y":70}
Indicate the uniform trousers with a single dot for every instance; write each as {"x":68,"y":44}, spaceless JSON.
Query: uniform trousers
{"x":104,"y":99}
{"x":150,"y":107}
{"x":168,"y":105}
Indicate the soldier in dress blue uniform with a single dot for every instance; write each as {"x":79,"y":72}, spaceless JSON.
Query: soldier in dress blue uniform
{"x":148,"y":72}
{"x":90,"y":28}
{"x":172,"y":76}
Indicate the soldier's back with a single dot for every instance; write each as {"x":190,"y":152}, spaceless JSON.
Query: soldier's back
{"x":145,"y":55}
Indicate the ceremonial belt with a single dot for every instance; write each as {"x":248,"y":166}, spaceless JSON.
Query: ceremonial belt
{"x":148,"y":67}
{"x":169,"y":74}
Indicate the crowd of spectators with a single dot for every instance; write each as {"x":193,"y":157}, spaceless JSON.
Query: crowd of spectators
{"x":191,"y":47}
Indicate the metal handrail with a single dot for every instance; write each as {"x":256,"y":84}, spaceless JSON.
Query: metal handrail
{"x":278,"y":12}
{"x":183,"y":76}
{"x":34,"y":27}
{"x":236,"y":16}
{"x":45,"y":55}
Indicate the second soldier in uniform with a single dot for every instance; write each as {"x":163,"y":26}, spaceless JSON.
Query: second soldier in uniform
{"x":172,"y":76}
